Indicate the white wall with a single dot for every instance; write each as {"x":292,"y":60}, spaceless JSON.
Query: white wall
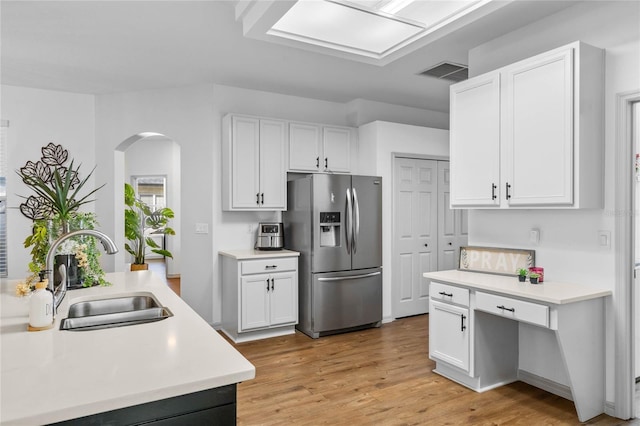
{"x":37,"y":117}
{"x":379,"y":140}
{"x":192,"y":117}
{"x":160,"y":156}
{"x":185,"y":115}
{"x":568,"y":248}
{"x":362,"y":111}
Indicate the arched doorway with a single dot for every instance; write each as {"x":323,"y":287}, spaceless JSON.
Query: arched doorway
{"x":149,"y":154}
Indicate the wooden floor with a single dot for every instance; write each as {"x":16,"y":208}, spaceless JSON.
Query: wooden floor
{"x":159,"y":267}
{"x":380,"y":377}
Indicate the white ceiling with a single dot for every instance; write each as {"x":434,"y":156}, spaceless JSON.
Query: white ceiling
{"x":115,"y":46}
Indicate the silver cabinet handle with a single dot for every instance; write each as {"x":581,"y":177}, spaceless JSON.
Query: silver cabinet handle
{"x":351,"y":277}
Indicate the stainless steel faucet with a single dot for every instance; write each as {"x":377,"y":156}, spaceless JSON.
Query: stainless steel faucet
{"x":61,"y":290}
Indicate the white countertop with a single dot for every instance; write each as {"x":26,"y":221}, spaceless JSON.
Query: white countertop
{"x":257,"y":254}
{"x":557,"y":293}
{"x":54,"y":375}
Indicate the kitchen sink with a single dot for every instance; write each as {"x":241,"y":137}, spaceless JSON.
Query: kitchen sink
{"x":114,"y":312}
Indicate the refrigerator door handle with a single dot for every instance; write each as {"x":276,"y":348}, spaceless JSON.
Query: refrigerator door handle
{"x":349,"y":221}
{"x":351,"y":277}
{"x":356,"y":220}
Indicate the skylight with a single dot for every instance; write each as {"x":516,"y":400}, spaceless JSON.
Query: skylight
{"x":371,"y":31}
{"x":372,"y":28}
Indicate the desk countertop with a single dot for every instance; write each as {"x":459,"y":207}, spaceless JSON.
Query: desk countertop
{"x":557,"y":293}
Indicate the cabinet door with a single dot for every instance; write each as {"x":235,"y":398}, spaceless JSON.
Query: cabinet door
{"x":304,"y":147}
{"x":449,"y":334}
{"x":336,"y":145}
{"x":539,"y":130}
{"x":284,"y":298}
{"x":254,"y":301}
{"x":475,"y":142}
{"x":273,"y":175}
{"x":245,"y":159}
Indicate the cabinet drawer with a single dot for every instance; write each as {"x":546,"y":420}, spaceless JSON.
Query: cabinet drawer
{"x":449,"y":293}
{"x":518,"y":310}
{"x":269,"y":265}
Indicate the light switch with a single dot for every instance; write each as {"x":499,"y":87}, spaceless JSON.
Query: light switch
{"x":202,"y":228}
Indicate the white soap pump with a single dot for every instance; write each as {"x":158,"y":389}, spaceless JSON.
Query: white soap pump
{"x":41,"y":307}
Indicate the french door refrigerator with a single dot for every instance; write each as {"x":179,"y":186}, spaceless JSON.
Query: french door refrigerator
{"x":335,"y":222}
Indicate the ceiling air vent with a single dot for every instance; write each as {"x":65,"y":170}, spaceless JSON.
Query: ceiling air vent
{"x":448,"y":71}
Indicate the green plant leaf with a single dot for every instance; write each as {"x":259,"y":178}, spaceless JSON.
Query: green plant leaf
{"x":162,"y":252}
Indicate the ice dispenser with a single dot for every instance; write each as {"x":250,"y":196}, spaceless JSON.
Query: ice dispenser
{"x":329,"y":229}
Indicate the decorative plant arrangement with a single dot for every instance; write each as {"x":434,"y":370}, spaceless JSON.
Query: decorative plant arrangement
{"x":139,"y":219}
{"x":533,"y":277}
{"x":522,"y":274}
{"x":54,"y":211}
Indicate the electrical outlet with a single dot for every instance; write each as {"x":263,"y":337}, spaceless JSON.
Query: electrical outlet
{"x":534,"y":236}
{"x":604,"y":239}
{"x":250,"y":229}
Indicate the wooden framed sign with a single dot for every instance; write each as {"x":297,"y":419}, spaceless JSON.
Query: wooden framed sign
{"x":495,"y":260}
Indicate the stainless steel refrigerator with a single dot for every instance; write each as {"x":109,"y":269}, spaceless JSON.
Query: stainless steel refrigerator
{"x":335,"y":222}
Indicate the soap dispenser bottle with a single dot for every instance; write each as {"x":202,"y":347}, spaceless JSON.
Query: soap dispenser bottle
{"x":41,"y":307}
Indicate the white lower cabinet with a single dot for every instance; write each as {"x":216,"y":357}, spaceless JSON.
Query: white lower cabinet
{"x":268,"y":300}
{"x":449,"y":334}
{"x":259,"y":296}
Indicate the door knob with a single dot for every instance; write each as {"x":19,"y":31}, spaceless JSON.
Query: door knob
{"x":426,"y":245}
{"x":449,"y":243}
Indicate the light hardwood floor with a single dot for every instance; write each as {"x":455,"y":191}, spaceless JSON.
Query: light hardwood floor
{"x":160,"y":268}
{"x":380,"y":377}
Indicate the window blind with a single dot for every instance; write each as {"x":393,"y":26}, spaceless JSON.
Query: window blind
{"x":4,"y":128}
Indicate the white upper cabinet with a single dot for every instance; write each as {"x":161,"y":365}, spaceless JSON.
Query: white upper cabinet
{"x":336,"y":144}
{"x":475,"y":142}
{"x":253,"y":163}
{"x":538,"y":129}
{"x":318,"y":148}
{"x":305,"y":145}
{"x":530,"y":134}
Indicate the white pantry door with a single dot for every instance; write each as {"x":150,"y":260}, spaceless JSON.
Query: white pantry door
{"x":453,"y":231}
{"x":415,"y":217}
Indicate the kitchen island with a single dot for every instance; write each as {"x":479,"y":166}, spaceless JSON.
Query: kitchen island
{"x":57,"y":375}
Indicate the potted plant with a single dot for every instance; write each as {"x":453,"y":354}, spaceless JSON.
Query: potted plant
{"x":533,"y":277}
{"x":139,"y":221}
{"x":522,"y":274}
{"x":82,"y":252}
{"x":54,"y":210}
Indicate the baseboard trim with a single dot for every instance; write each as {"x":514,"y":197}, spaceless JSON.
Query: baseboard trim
{"x":545,"y":384}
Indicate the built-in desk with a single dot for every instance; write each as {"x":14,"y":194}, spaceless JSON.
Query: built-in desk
{"x":474,"y":323}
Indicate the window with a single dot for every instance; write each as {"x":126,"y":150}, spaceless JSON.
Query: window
{"x":152,"y":190}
